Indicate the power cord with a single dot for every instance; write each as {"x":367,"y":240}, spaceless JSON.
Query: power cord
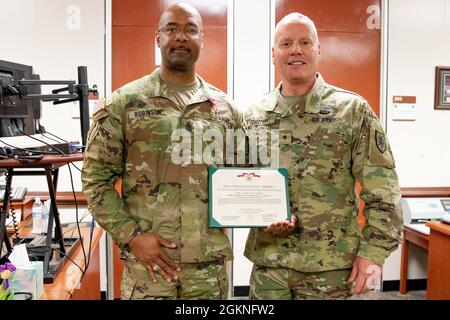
{"x":76,"y":167}
{"x":12,"y":213}
{"x":14,"y":219}
{"x":78,"y":224}
{"x":54,"y":135}
{"x":24,"y":149}
{"x":73,"y":228}
{"x":34,"y":138}
{"x":61,"y":140}
{"x":86,"y":259}
{"x":33,"y":251}
{"x":70,"y":259}
{"x":50,"y":138}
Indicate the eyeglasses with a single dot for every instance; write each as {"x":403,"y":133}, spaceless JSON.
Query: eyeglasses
{"x":171,"y":31}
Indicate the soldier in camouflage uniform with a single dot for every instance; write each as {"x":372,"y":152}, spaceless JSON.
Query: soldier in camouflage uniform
{"x":329,"y":139}
{"x":160,"y":219}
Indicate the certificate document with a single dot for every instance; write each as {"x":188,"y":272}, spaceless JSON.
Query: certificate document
{"x":247,"y":197}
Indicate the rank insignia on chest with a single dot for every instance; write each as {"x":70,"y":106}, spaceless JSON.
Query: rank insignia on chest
{"x":285,"y":137}
{"x":380,"y":141}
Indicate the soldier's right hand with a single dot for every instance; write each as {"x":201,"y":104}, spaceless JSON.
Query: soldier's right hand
{"x":282,"y":228}
{"x":147,"y":248}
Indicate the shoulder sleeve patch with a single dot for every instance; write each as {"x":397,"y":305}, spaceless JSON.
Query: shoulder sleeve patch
{"x":379,"y":151}
{"x":380,"y":141}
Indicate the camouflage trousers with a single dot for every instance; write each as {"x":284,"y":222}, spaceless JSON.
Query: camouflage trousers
{"x":202,"y":281}
{"x":276,"y":283}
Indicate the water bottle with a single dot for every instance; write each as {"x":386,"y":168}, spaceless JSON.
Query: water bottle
{"x":36,"y":212}
{"x":44,"y":217}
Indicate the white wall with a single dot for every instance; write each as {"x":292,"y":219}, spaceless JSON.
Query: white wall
{"x":252,"y":68}
{"x":55,"y":37}
{"x":418,"y":41}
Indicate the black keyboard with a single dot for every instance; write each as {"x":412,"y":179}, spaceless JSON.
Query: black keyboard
{"x":38,"y":241}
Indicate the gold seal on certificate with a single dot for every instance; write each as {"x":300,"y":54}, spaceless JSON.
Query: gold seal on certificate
{"x":247,"y":197}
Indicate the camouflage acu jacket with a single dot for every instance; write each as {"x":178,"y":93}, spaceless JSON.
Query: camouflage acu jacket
{"x":327,"y":145}
{"x":131,"y":138}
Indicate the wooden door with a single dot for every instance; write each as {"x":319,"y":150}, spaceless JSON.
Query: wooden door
{"x":350,"y":40}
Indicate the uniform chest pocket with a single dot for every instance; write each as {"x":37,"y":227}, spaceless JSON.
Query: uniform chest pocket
{"x":150,"y":124}
{"x":213,"y":141}
{"x":329,"y":153}
{"x":215,"y":128}
{"x":263,"y":146}
{"x":148,"y":142}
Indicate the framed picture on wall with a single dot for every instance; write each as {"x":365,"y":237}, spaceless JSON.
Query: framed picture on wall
{"x":442,"y":88}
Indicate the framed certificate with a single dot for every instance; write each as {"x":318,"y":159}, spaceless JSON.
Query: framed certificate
{"x":442,"y":88}
{"x":247,"y":197}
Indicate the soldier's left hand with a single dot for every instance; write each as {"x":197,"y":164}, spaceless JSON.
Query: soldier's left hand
{"x":365,"y":275}
{"x":282,"y":228}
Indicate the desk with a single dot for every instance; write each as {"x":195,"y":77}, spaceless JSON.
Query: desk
{"x":67,"y":283}
{"x":49,"y":166}
{"x":438,"y":286}
{"x":438,"y":246}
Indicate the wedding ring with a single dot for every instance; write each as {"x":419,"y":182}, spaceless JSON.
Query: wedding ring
{"x":156,"y":268}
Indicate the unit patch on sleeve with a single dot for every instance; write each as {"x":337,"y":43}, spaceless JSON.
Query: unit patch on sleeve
{"x":380,"y":141}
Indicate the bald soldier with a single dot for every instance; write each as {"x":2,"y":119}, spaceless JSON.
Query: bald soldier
{"x":160,"y":219}
{"x":329,"y":139}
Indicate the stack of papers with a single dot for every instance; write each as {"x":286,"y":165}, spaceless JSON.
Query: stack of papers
{"x":421,"y":227}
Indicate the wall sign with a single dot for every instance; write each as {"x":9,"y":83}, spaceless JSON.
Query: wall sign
{"x":404,"y":108}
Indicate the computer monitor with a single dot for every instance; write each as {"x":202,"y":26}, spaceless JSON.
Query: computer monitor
{"x":14,"y":112}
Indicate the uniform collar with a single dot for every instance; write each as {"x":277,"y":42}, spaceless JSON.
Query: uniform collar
{"x":158,"y":89}
{"x":313,"y":99}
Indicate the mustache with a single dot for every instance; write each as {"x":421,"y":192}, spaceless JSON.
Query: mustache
{"x":180,"y":48}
